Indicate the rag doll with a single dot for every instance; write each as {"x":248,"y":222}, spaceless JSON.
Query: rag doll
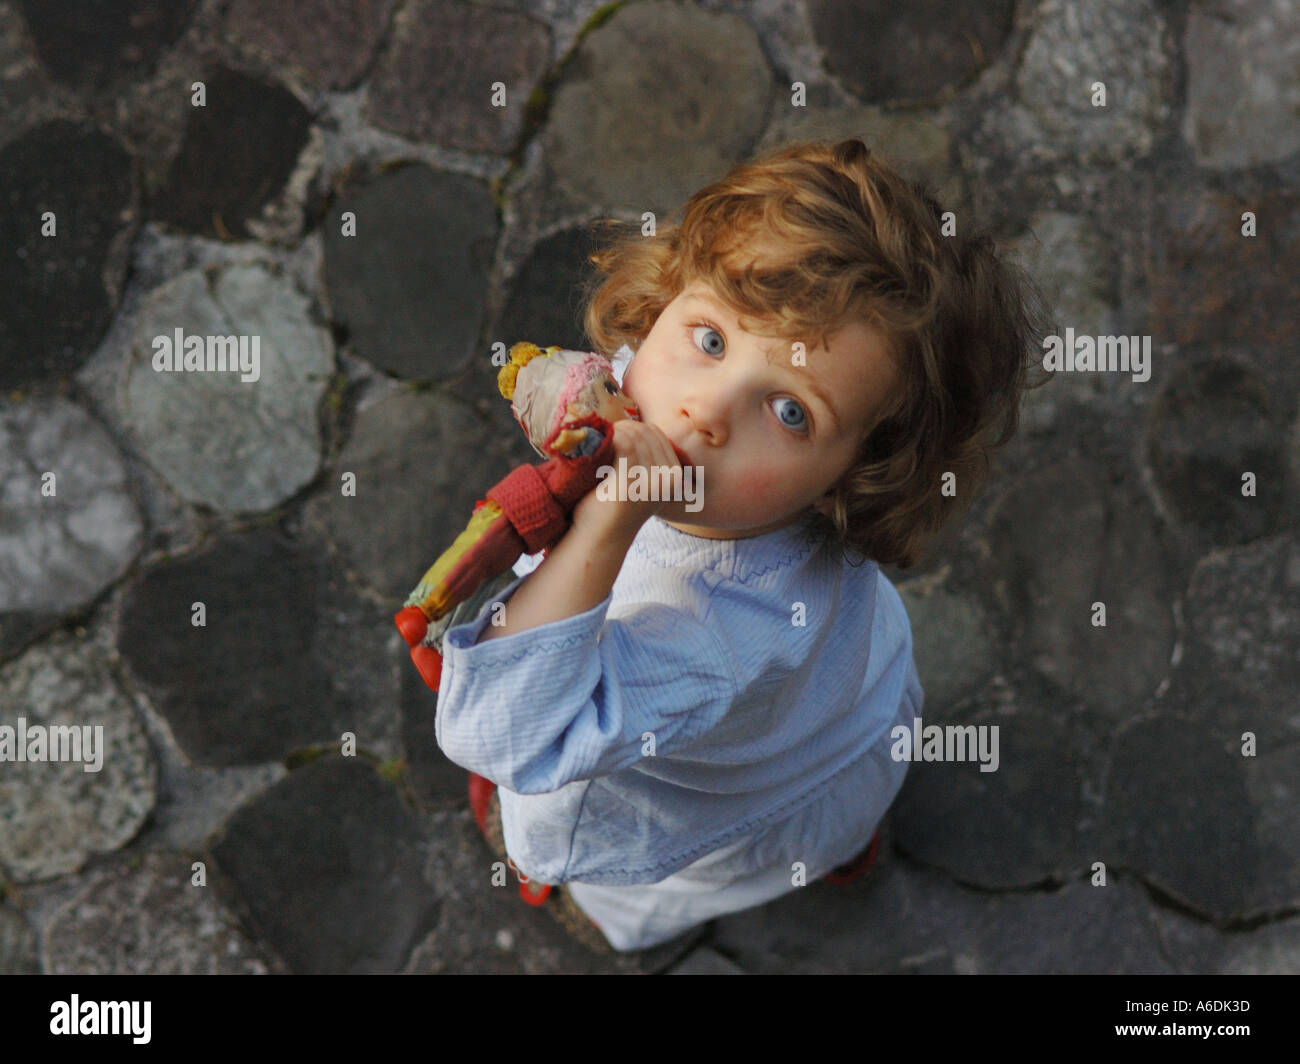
{"x":566,"y":402}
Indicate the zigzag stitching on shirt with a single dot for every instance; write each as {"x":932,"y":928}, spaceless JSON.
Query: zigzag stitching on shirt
{"x":552,"y":644}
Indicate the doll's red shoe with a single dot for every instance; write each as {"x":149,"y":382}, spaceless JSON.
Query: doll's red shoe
{"x":481,"y":791}
{"x":858,"y":867}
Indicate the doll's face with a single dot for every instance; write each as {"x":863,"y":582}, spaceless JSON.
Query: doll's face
{"x":773,"y":436}
{"x":604,"y":398}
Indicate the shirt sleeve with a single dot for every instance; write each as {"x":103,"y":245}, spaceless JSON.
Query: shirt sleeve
{"x":575,"y":699}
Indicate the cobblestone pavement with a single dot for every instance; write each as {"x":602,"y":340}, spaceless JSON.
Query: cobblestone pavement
{"x":181,"y":568}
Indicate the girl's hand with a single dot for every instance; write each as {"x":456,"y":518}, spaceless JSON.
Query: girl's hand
{"x":650,"y":459}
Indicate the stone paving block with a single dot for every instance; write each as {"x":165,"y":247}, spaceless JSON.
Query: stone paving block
{"x":627,"y":129}
{"x":93,"y":45}
{"x":151,"y":914}
{"x":1243,"y":82}
{"x":904,"y":919}
{"x":484,"y":927}
{"x":17,"y":944}
{"x":236,"y":155}
{"x":1201,"y":798}
{"x":421,"y":461}
{"x":1074,"y":44}
{"x":884,"y":51}
{"x":328,"y":866}
{"x":436,"y":80}
{"x":56,"y":814}
{"x":71,"y":523}
{"x":1209,"y":283}
{"x":330,"y":42}
{"x":245,"y":437}
{"x":1199,"y":477}
{"x":1062,"y":540}
{"x":287,"y":655}
{"x":411,"y":284}
{"x":1017,"y":826}
{"x":67,"y":207}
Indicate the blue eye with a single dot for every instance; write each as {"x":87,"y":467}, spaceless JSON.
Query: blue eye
{"x":716,"y":348}
{"x":791,"y":416}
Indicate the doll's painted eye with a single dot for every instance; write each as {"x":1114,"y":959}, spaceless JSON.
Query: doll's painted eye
{"x":611,"y":387}
{"x":714,"y":346}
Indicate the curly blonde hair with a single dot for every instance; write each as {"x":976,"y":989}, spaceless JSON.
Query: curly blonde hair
{"x":813,"y":237}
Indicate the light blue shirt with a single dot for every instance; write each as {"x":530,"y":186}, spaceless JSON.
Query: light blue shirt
{"x":727,"y":707}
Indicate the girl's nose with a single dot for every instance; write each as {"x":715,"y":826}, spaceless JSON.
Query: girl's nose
{"x":708,"y":418}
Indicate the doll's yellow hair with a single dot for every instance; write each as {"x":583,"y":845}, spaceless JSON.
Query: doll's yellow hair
{"x":520,"y":355}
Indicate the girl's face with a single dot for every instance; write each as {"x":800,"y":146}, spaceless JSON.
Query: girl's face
{"x":772,"y":435}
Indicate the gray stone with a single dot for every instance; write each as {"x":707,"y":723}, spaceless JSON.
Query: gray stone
{"x":705,"y":961}
{"x":485,"y":928}
{"x":17,"y":944}
{"x":435,"y":80}
{"x":422,"y":461}
{"x":148,"y":916}
{"x":237,"y":154}
{"x":887,"y":51}
{"x":628,"y":128}
{"x":71,"y":525}
{"x":1102,"y":546}
{"x":54,"y":816}
{"x":94,"y":45}
{"x":1073,"y":45}
{"x":1198,"y":476}
{"x":1271,"y":950}
{"x":287,"y":655}
{"x":1209,"y":284}
{"x":1189,"y":804}
{"x":1017,"y":826}
{"x":1243,"y":82}
{"x":951,"y":641}
{"x":544,"y":302}
{"x":917,"y":144}
{"x":328,"y":864}
{"x":328,"y":42}
{"x":905,"y":919}
{"x":410,"y":287}
{"x":217,"y":439}
{"x":60,"y":289}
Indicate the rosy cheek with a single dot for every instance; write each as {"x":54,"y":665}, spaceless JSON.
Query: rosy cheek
{"x":761,"y":486}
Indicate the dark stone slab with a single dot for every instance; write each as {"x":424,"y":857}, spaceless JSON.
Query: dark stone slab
{"x":328,"y":866}
{"x":421,"y":462}
{"x":631,"y":128}
{"x":1188,"y":804}
{"x":434,"y":82}
{"x":544,"y":304}
{"x":1198,"y":473}
{"x":1178,"y":811}
{"x":148,"y":916}
{"x":904,"y":919}
{"x":886,"y":51}
{"x":93,"y":44}
{"x":17,"y":944}
{"x":1018,"y":826}
{"x":434,"y":779}
{"x":236,"y":154}
{"x":61,"y":290}
{"x":1076,"y":533}
{"x":329,"y":42}
{"x":289,"y":656}
{"x":411,"y":285}
{"x":1243,"y":77}
{"x":1209,"y":284}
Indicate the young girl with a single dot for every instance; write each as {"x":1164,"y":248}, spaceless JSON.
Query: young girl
{"x":689,"y":713}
